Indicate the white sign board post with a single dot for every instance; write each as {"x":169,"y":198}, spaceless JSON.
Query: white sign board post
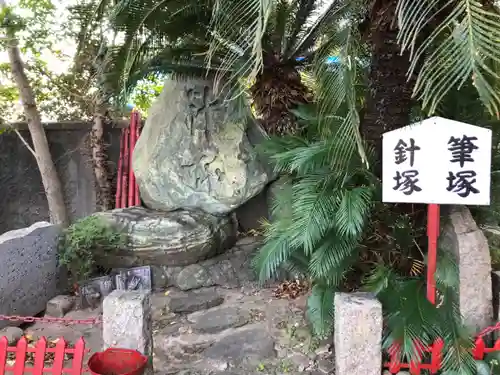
{"x":436,"y":161}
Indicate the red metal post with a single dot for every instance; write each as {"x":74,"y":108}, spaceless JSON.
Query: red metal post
{"x":4,"y":343}
{"x":436,"y":355}
{"x":432,"y":235}
{"x":119,"y":177}
{"x":125,"y":174}
{"x":40,"y":349}
{"x":137,"y":134}
{"x":59,"y":356}
{"x":78,"y":355}
{"x":131,"y":182}
{"x":22,"y":345}
{"x":478,"y":351}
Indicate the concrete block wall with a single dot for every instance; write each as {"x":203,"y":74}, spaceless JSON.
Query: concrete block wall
{"x":22,"y":197}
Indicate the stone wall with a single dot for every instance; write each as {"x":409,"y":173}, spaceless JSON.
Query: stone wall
{"x":22,"y":197}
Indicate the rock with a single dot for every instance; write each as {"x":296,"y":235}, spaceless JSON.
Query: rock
{"x":59,"y":306}
{"x":194,"y":301}
{"x":193,"y":276}
{"x":300,"y":361}
{"x":252,"y":213}
{"x":13,"y":334}
{"x":194,"y":153}
{"x":326,"y":366}
{"x":468,"y":244}
{"x":28,"y":269}
{"x":229,"y":270}
{"x":358,"y":329}
{"x":244,"y":345}
{"x":167,"y":239}
{"x":218,"y":319}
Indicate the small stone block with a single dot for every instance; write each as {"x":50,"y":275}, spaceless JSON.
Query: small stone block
{"x":358,"y":334}
{"x":127,"y":322}
{"x":59,"y":306}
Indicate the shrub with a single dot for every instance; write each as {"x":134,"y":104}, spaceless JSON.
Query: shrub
{"x":82,"y":240}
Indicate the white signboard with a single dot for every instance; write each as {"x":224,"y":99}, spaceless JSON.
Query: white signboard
{"x":437,"y":161}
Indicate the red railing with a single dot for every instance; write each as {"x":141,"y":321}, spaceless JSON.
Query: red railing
{"x":127,"y":190}
{"x":61,"y":355}
{"x":44,"y":356}
{"x":435,"y":352}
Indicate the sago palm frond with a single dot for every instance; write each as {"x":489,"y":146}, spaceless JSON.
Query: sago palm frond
{"x":337,"y":85}
{"x":237,"y":28}
{"x":411,"y":319}
{"x":252,"y":33}
{"x":320,"y":309}
{"x":464,"y":45}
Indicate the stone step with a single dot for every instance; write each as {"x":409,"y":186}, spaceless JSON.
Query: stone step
{"x":189,"y":302}
{"x":248,"y":345}
{"x":218,"y":319}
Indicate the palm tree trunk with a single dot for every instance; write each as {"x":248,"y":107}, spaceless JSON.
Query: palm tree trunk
{"x":100,"y":163}
{"x":277,"y":90}
{"x":50,"y":179}
{"x":389,"y":97}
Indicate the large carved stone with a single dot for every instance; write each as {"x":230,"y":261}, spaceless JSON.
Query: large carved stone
{"x":168,"y":238}
{"x":195,"y":153}
{"x":28,"y":269}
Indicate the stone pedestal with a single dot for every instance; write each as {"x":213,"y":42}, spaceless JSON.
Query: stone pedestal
{"x":358,"y":334}
{"x":127,"y":322}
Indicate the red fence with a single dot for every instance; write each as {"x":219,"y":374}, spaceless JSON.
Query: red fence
{"x":39,"y":355}
{"x":435,"y":353}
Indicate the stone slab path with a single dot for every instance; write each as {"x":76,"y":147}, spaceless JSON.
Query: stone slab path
{"x":242,"y":331}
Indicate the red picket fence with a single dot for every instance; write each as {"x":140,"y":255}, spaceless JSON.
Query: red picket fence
{"x":127,"y":190}
{"x":435,"y":352}
{"x":61,"y":354}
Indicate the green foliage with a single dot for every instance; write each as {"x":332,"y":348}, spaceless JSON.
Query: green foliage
{"x":146,"y":92}
{"x":319,"y":216}
{"x":490,"y":365}
{"x":82,"y":241}
{"x":464,"y":46}
{"x":409,"y":317}
{"x":328,"y":224}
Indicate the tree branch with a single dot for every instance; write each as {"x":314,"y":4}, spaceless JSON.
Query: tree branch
{"x":24,"y":140}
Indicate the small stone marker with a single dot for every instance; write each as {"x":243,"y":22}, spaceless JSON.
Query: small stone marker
{"x":469,"y":246}
{"x":127,"y":321}
{"x":358,"y":334}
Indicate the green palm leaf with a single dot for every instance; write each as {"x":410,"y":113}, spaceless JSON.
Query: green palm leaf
{"x":333,"y":258}
{"x":465,"y":45}
{"x":320,"y":309}
{"x":353,"y":210}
